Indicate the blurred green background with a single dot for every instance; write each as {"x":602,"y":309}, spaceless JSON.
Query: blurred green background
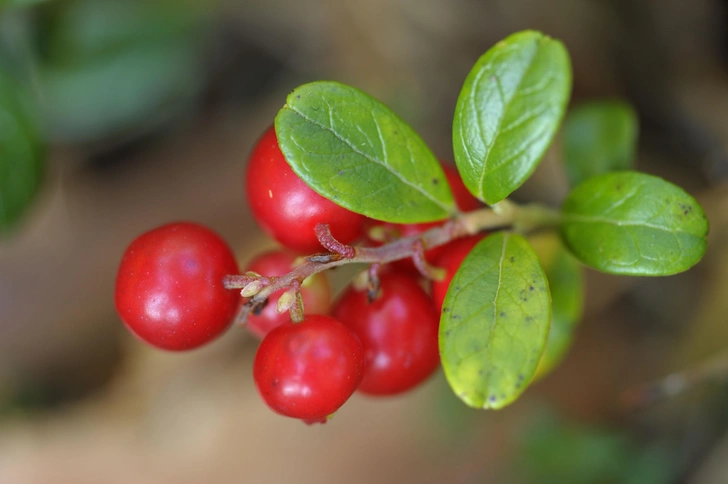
{"x":120,"y":115}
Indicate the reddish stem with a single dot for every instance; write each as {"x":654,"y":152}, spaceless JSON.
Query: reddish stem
{"x":341,"y":254}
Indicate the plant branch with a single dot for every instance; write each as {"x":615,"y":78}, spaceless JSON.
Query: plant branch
{"x":503,"y":215}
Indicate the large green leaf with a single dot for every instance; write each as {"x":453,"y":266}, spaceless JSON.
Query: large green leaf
{"x":599,"y":137}
{"x":495,"y":321}
{"x":355,"y":151}
{"x":566,"y":282}
{"x":21,"y":161}
{"x":508,"y":112}
{"x":634,"y":224}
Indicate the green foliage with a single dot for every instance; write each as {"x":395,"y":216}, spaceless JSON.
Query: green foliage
{"x":355,"y":151}
{"x":497,"y":330}
{"x":21,"y":159}
{"x":19,"y":3}
{"x":495,"y":321}
{"x":113,"y":68}
{"x":634,"y":224}
{"x":599,"y":137}
{"x":508,"y":112}
{"x":566,"y":282}
{"x":556,"y":452}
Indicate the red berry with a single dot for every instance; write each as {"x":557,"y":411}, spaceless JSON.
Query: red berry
{"x":463,"y":199}
{"x":169,"y":289}
{"x":288,"y":209}
{"x":308,"y":370}
{"x":398,"y":331}
{"x":450,"y":260}
{"x":315,"y":291}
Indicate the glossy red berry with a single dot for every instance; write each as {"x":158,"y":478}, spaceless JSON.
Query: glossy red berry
{"x":463,"y":199}
{"x":286,"y":208}
{"x":450,"y":260}
{"x":309,"y":369}
{"x":314,"y":290}
{"x":398,"y":331}
{"x":169,"y":288}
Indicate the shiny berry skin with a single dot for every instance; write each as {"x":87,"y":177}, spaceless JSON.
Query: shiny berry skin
{"x":450,"y":260}
{"x":465,"y":201}
{"x":398,"y":331}
{"x":308,"y":370}
{"x":286,"y":208}
{"x":314,"y":290}
{"x":169,"y":289}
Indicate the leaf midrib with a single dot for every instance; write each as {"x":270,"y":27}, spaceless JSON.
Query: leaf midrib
{"x":507,"y":105}
{"x":623,"y":223}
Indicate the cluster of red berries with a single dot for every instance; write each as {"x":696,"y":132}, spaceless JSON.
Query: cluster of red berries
{"x":170,"y":293}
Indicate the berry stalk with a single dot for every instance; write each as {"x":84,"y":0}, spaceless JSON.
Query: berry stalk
{"x":502,"y":216}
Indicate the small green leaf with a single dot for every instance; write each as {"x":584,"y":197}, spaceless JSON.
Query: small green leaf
{"x":21,"y":161}
{"x":566,"y":282}
{"x":508,"y":111}
{"x":634,"y":224}
{"x":599,"y":137}
{"x":353,"y":150}
{"x":495,"y":321}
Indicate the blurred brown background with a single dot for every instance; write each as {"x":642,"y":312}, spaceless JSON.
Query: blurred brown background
{"x":150,"y":108}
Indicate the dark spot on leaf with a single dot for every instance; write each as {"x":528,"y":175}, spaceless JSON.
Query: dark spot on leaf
{"x":493,"y":398}
{"x":447,"y":333}
{"x":446,"y":310}
{"x":520,"y":377}
{"x":502,"y":314}
{"x":340,"y":172}
{"x":530,"y":288}
{"x":298,"y":97}
{"x":503,"y":396}
{"x":512,"y":259}
{"x":435,"y":181}
{"x":618,"y":187}
{"x":457,"y":288}
{"x":529,"y":319}
{"x":480,"y":372}
{"x":395,"y":132}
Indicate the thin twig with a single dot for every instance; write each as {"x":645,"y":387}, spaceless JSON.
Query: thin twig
{"x":465,"y":224}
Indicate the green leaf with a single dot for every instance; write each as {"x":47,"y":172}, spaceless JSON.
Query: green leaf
{"x":119,"y":69}
{"x":508,"y":112}
{"x":353,"y":150}
{"x":21,"y":161}
{"x":599,"y":137}
{"x":634,"y":224}
{"x":566,"y":282}
{"x":495,"y":321}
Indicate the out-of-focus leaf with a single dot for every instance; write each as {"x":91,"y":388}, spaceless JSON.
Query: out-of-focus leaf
{"x":114,"y":68}
{"x":19,"y":3}
{"x":21,"y":160}
{"x":599,"y":137}
{"x":557,"y":452}
{"x":566,"y":282}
